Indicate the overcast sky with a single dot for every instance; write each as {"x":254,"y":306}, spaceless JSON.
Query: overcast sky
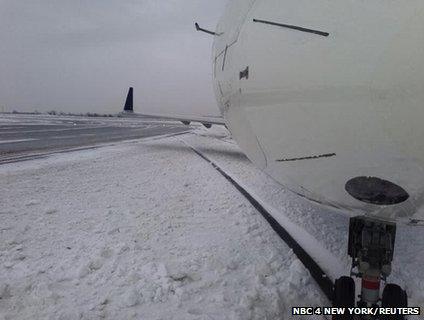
{"x":82,"y":55}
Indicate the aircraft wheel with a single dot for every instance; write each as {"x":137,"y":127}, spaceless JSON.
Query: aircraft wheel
{"x":394,"y":297}
{"x":344,"y":296}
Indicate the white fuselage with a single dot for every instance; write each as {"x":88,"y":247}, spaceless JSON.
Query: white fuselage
{"x":316,"y":111}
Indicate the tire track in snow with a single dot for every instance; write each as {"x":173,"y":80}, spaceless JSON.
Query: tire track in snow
{"x":317,"y":273}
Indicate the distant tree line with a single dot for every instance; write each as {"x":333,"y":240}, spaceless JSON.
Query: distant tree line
{"x":60,"y":113}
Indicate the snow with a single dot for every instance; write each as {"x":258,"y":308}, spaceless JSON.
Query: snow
{"x":141,"y":230}
{"x":18,"y":120}
{"x":148,"y":230}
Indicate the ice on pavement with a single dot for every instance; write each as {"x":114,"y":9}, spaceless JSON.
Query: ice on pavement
{"x":141,"y":230}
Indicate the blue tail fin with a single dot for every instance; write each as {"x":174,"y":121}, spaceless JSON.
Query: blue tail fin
{"x":129,"y":107}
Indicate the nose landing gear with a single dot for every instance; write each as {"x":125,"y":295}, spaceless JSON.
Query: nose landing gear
{"x":371,"y":247}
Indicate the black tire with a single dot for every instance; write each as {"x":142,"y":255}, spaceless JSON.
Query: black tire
{"x":344,"y":296}
{"x":394,"y":297}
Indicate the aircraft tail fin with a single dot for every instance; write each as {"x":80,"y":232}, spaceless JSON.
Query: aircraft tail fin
{"x":129,"y":103}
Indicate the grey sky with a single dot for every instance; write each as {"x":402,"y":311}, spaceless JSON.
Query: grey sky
{"x":82,"y":55}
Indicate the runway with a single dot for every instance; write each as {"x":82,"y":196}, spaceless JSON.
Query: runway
{"x":27,"y":134}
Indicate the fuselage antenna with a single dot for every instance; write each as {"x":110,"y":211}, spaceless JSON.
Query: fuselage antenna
{"x":204,"y":30}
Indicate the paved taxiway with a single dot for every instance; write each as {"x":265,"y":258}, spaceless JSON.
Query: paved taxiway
{"x":27,"y":134}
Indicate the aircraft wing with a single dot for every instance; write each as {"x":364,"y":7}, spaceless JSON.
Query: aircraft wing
{"x":207,"y":121}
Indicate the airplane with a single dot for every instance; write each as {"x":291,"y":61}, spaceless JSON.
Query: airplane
{"x":206,"y":121}
{"x":326,"y":97}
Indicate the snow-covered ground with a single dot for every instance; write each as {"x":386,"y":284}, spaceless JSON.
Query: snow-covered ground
{"x":149,"y":230}
{"x":143,"y":230}
{"x":46,"y":119}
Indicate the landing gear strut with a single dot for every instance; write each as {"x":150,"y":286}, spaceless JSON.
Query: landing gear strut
{"x":371,"y":247}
